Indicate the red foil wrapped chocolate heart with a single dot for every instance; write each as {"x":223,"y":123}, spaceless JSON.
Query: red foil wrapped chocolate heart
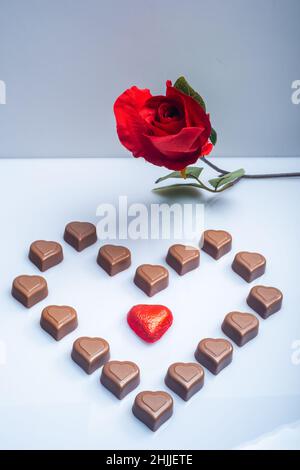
{"x":150,"y":322}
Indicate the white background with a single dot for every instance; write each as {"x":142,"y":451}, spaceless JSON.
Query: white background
{"x":47,"y":401}
{"x":66,"y":61}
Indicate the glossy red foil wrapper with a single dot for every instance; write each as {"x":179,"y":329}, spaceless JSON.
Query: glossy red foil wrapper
{"x":150,"y":322}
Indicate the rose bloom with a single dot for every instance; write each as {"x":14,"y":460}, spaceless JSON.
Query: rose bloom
{"x":171,"y":131}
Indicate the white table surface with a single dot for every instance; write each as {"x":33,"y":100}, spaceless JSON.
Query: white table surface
{"x":47,"y":401}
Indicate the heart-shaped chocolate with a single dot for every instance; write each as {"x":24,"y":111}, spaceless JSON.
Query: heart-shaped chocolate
{"x":216,"y":347}
{"x":186,"y":372}
{"x":151,"y":278}
{"x":93,"y":346}
{"x":152,"y":272}
{"x":249,"y":265}
{"x":265,"y":300}
{"x":183,"y":258}
{"x":252,"y":260}
{"x":80,"y":229}
{"x":114,"y":258}
{"x":216,"y":243}
{"x":218,"y":237}
{"x":240,"y":327}
{"x":153,"y":408}
{"x":90,"y":353}
{"x":120,"y":377}
{"x":45,"y":254}
{"x":243,"y":320}
{"x":122,"y":370}
{"x":60,"y":314}
{"x":214,"y":354}
{"x":29,"y":289}
{"x":267,"y":294}
{"x":80,"y":235}
{"x":154,"y":400}
{"x":185,"y":379}
{"x":46,"y":248}
{"x":59,"y":320}
{"x":149,"y":322}
{"x":30,"y":284}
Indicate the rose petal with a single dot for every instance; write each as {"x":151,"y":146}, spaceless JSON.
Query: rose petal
{"x":188,"y":140}
{"x":160,"y":125}
{"x":163,"y":140}
{"x":130,"y":125}
{"x":194,"y":113}
{"x":175,"y":151}
{"x":206,"y":149}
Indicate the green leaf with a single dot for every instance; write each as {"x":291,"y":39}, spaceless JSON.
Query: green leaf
{"x":191,"y":172}
{"x":174,"y":174}
{"x":213,"y":136}
{"x":182,"y":85}
{"x":227,"y":179}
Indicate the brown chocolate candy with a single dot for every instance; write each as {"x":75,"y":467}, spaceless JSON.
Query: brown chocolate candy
{"x":216,"y":243}
{"x":214,"y":354}
{"x":114,"y":259}
{"x":265,"y":300}
{"x":249,"y":265}
{"x":29,"y":290}
{"x":151,"y":278}
{"x":120,"y":378}
{"x":185,"y":379}
{"x":45,"y":254}
{"x":240,"y":327}
{"x":80,"y":235}
{"x":183,"y":258}
{"x":59,"y":321}
{"x":153,"y":408}
{"x":90,"y":353}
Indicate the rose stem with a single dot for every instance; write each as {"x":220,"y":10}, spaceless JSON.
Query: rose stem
{"x":263,"y":175}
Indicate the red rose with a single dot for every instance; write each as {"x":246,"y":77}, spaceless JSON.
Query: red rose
{"x":171,"y":131}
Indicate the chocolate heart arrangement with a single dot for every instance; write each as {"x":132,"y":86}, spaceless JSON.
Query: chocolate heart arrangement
{"x":149,"y":322}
